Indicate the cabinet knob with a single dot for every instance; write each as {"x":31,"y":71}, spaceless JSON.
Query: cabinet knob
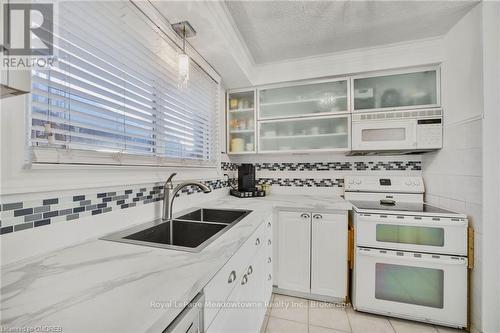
{"x":269,"y":260}
{"x":305,"y":215}
{"x":269,"y":224}
{"x":269,"y":242}
{"x":269,"y":277}
{"x":317,"y":216}
{"x":257,"y":241}
{"x":244,"y":280}
{"x":250,"y":270}
{"x":232,"y":277}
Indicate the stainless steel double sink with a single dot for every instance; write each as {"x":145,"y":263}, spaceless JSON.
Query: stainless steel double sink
{"x":192,"y":231}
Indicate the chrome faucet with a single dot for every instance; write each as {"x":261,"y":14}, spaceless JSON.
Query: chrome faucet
{"x":169,"y":193}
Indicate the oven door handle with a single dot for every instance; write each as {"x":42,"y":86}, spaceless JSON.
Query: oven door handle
{"x":415,"y":223}
{"x":393,"y":255}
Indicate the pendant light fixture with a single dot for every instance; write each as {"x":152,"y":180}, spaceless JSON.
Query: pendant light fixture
{"x":184,"y":30}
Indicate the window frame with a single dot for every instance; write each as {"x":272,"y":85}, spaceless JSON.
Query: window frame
{"x":58,"y":157}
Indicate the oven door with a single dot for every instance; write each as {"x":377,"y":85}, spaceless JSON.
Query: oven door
{"x":412,"y":233}
{"x":425,"y":287}
{"x":384,"y":135}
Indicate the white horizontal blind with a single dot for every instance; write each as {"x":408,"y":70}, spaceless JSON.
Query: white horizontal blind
{"x":115,"y":89}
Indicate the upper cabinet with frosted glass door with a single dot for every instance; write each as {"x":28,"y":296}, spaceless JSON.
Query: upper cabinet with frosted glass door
{"x":304,"y":99}
{"x":241,"y":121}
{"x":397,"y":90}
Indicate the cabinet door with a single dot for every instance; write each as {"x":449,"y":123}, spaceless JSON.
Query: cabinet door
{"x":329,"y":255}
{"x":305,"y":99}
{"x":241,"y":122}
{"x":294,"y":242}
{"x":397,"y":90}
{"x":305,"y":134}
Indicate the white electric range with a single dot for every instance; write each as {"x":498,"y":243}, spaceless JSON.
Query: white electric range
{"x":410,"y":257}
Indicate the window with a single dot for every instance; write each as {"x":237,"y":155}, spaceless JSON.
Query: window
{"x":114,"y":91}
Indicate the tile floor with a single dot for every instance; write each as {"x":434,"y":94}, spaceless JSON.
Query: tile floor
{"x":290,"y":315}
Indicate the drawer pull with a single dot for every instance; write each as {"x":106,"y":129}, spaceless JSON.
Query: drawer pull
{"x":232,"y":277}
{"x":318,"y":216}
{"x":244,"y":280}
{"x":269,"y":277}
{"x":305,"y":215}
{"x":250,"y":270}
{"x":269,"y":260}
{"x":269,"y":242}
{"x":257,"y":241}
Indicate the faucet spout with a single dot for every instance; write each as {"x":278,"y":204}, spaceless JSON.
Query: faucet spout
{"x":170,"y":192}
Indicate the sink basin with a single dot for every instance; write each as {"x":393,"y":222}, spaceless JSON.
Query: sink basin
{"x":214,"y":215}
{"x":190,"y":232}
{"x":178,"y":233}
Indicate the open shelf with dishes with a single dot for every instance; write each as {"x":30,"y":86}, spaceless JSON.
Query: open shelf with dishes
{"x":241,"y":122}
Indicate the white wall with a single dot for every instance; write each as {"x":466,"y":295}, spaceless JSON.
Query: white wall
{"x":407,"y":54}
{"x":491,"y":165}
{"x":453,"y":175}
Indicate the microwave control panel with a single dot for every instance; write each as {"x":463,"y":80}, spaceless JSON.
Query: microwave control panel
{"x":429,"y":133}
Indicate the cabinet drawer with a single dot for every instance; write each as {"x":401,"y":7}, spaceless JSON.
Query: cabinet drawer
{"x":252,"y":288}
{"x":221,"y":285}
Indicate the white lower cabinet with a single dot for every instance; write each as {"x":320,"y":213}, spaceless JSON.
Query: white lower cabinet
{"x":312,"y":253}
{"x":329,"y":255}
{"x":294,"y":251}
{"x":250,"y":287}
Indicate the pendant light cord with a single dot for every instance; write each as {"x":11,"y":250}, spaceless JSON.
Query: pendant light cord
{"x":184,"y":38}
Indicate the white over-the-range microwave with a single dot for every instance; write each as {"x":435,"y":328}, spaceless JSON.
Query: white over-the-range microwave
{"x":410,"y":130}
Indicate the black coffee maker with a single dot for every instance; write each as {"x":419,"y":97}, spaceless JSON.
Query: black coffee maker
{"x":246,"y":182}
{"x":246,"y":177}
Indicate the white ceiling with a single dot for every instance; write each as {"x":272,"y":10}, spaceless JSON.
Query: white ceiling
{"x":279,"y":30}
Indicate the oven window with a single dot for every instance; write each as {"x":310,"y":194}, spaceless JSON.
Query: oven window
{"x":383,"y":134}
{"x":410,"y":234}
{"x":410,"y":284}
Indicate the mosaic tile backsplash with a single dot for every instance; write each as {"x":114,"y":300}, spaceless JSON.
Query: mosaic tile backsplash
{"x":302,"y":182}
{"x":332,"y":166}
{"x":17,"y":216}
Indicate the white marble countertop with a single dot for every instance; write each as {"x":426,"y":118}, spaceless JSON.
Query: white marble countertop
{"x":104,"y":286}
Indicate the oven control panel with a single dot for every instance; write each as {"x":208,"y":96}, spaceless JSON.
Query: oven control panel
{"x":384,"y":184}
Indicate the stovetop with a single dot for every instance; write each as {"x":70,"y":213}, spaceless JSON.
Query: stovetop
{"x":413,"y":208}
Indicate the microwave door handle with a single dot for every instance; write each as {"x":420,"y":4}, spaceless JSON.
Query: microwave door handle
{"x":412,"y":258}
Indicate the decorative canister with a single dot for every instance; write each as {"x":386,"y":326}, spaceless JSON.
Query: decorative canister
{"x":237,"y":145}
{"x":266,"y":188}
{"x":233,"y":103}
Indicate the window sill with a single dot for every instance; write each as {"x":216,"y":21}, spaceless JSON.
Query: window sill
{"x":55,"y":158}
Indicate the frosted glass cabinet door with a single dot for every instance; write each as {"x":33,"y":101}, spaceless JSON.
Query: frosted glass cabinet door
{"x":303,"y":100}
{"x":241,"y":122}
{"x":321,"y":133}
{"x":399,"y":90}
